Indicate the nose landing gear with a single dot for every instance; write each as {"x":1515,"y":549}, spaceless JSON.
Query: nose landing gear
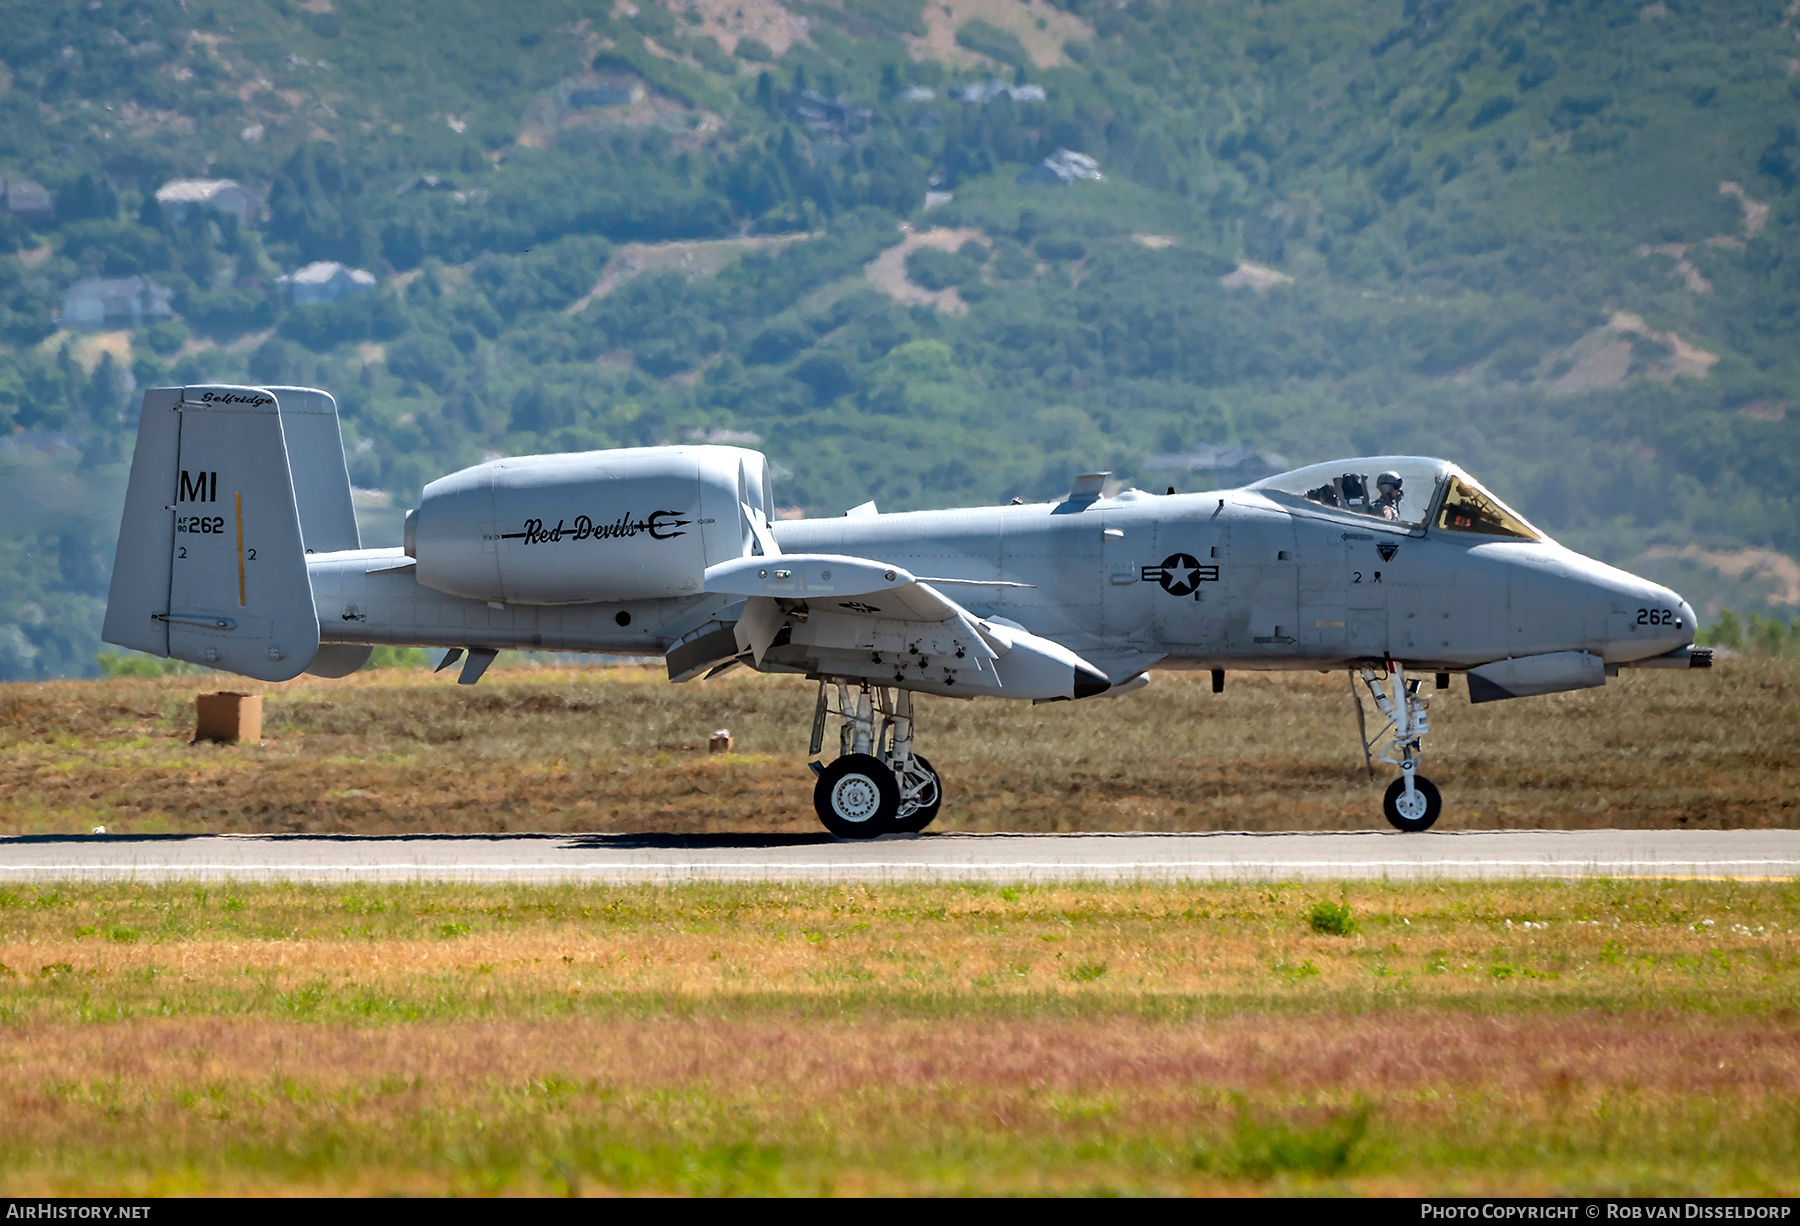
{"x":1413,"y":812}
{"x":1412,"y":802}
{"x":877,"y":784}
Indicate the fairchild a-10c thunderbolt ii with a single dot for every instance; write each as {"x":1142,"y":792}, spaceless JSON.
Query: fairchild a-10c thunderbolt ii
{"x":239,"y":550}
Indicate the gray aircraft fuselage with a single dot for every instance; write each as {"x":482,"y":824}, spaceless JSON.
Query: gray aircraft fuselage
{"x":1220,"y":580}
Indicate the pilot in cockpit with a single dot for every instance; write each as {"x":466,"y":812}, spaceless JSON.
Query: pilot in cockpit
{"x":1351,"y":492}
{"x":1387,"y":504}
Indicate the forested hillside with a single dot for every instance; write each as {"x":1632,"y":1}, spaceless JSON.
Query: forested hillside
{"x":1553,"y":240}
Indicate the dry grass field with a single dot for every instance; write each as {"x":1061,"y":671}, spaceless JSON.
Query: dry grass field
{"x":1601,"y":1037}
{"x":1597,"y":1038}
{"x":620,"y":749}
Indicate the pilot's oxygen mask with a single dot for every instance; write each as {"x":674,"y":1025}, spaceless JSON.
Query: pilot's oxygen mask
{"x":1350,"y":491}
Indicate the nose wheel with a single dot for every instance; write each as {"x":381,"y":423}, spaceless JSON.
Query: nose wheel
{"x":1415,"y":812}
{"x":1412,"y":802}
{"x":877,"y":784}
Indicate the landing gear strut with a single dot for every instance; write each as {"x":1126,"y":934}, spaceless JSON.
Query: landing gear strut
{"x":877,"y":785}
{"x":1412,"y":802}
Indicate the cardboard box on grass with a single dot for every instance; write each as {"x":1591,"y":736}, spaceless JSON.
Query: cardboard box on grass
{"x":228,"y":717}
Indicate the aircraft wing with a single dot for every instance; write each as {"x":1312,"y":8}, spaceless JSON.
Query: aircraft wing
{"x":860,"y":617}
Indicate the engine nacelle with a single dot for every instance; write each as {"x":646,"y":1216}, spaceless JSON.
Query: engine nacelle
{"x":639,"y":523}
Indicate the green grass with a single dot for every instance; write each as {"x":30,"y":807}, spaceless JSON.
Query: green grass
{"x":1605,"y":1037}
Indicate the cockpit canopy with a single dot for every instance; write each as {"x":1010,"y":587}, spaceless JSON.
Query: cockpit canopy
{"x":1428,"y":492}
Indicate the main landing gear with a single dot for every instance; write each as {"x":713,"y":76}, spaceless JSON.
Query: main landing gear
{"x":1412,"y":802}
{"x":877,"y":785}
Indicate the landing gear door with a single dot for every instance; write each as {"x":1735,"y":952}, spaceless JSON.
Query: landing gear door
{"x":1366,"y":604}
{"x":1265,"y":561}
{"x":1128,"y":604}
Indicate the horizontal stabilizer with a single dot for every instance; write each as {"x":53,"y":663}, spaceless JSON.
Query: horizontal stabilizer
{"x":339,"y":659}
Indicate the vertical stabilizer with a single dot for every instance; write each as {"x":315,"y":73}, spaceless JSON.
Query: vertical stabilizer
{"x":140,"y":577}
{"x":315,"y":448}
{"x":210,"y":551}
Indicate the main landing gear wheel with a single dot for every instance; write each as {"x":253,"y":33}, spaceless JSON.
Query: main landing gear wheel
{"x":857,"y":797}
{"x":1417,"y":812}
{"x":931,"y":799}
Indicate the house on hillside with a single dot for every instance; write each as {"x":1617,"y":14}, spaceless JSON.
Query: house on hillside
{"x":1063,"y":167}
{"x":425,"y":183}
{"x":827,"y":117}
{"x":986,"y":91}
{"x":25,"y":198}
{"x":608,"y":91}
{"x":122,"y":302}
{"x":181,"y":196}
{"x":325,"y":281}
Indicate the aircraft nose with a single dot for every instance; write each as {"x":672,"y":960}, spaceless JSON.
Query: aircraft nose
{"x":1671,"y":620}
{"x":1677,"y":617}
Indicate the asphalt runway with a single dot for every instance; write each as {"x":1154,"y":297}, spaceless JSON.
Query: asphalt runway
{"x":1751,"y":855}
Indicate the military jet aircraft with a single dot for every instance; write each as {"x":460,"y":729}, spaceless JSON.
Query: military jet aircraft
{"x":239,"y":550}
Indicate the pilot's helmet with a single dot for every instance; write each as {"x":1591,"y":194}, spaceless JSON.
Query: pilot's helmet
{"x":1389,"y":481}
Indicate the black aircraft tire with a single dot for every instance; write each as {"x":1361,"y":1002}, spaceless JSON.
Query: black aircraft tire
{"x":924,"y":815}
{"x":856,"y":797}
{"x":1390,"y":805}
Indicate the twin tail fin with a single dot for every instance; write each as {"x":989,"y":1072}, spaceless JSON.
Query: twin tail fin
{"x":230,"y":489}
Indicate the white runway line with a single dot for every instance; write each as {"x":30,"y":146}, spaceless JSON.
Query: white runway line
{"x":619,"y":859}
